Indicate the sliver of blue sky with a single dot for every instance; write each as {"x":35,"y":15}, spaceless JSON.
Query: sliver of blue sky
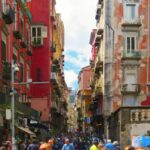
{"x":79,"y":20}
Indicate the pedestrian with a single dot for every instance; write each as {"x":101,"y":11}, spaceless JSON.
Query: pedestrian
{"x":109,"y":145}
{"x":67,"y":145}
{"x":55,"y":146}
{"x":45,"y":146}
{"x":22,"y":145}
{"x":59,"y":143}
{"x":116,"y":145}
{"x":8,"y":145}
{"x":34,"y":145}
{"x":94,"y":145}
{"x":100,"y":146}
{"x":51,"y":142}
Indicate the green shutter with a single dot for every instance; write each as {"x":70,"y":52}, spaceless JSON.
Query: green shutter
{"x":3,"y":51}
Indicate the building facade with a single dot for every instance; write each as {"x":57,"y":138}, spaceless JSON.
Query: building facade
{"x":15,"y":49}
{"x":84,"y":96}
{"x":122,"y":42}
{"x":47,"y":63}
{"x":32,"y":38}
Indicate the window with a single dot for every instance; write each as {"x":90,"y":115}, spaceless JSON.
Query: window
{"x":38,"y":74}
{"x":21,"y":72}
{"x":37,"y":38}
{"x":131,"y":11}
{"x":3,"y":52}
{"x":131,"y":44}
{"x":3,"y":5}
{"x":131,"y":14}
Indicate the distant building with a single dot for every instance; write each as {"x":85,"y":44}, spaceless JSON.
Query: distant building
{"x":84,"y":96}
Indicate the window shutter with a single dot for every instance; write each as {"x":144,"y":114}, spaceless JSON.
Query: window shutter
{"x":44,"y":32}
{"x":3,"y":51}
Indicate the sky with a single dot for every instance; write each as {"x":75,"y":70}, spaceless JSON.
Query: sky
{"x":79,"y":20}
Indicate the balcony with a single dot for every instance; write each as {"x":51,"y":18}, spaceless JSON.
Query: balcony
{"x":29,"y":52}
{"x":52,"y":15}
{"x":130,"y":89}
{"x":23,"y":44}
{"x":97,"y":17}
{"x":140,"y":115}
{"x":97,"y":93}
{"x":91,"y":63}
{"x":131,"y":23}
{"x":8,"y":16}
{"x":92,"y":106}
{"x":100,"y":1}
{"x":17,"y":34}
{"x":53,"y":77}
{"x":99,"y":67}
{"x":55,"y":24}
{"x":53,"y":47}
{"x":132,"y":114}
{"x":98,"y":8}
{"x":136,"y":55}
{"x":53,"y":68}
{"x":100,"y":31}
{"x":127,"y":121}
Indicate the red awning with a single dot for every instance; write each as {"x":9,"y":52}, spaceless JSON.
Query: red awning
{"x":146,"y":102}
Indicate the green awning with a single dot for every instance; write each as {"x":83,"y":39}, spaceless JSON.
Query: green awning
{"x":25,"y":9}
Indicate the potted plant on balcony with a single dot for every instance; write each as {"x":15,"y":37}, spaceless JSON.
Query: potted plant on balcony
{"x":17,"y":34}
{"x":9,"y":16}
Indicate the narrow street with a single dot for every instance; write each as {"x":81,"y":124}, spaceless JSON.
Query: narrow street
{"x":75,"y":75}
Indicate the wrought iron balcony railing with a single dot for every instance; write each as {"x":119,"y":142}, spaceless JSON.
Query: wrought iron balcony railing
{"x":17,"y":34}
{"x":8,"y":15}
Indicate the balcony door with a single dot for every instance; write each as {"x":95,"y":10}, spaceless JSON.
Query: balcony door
{"x":131,"y":11}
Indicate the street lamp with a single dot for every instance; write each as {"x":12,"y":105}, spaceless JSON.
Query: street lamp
{"x":14,"y":68}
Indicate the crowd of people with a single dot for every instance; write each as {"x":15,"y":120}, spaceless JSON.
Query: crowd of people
{"x":69,"y":143}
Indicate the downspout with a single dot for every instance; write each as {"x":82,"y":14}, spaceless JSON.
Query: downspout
{"x":148,"y":47}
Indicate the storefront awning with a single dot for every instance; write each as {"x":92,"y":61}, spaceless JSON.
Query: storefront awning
{"x":26,"y":130}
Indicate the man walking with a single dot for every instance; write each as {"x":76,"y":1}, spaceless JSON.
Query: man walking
{"x":68,"y":145}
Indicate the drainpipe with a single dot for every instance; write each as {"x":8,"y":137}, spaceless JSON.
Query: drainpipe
{"x":148,"y":46}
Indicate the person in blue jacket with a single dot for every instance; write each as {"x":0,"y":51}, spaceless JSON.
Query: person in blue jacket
{"x":109,"y":145}
{"x":68,"y":145}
